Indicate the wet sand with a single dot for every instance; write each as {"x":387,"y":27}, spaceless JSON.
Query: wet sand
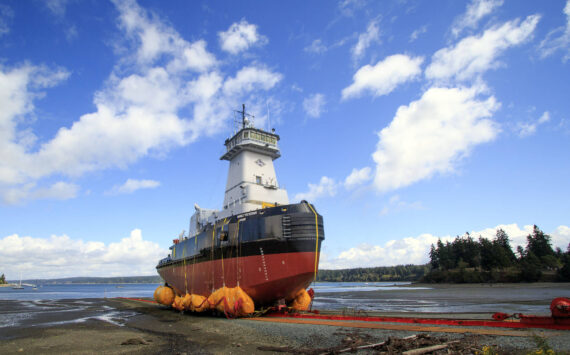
{"x":451,"y":298}
{"x":118,"y":326}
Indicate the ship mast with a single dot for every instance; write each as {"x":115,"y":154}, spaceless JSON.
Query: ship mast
{"x":244,"y":121}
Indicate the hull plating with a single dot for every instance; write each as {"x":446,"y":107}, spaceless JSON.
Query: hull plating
{"x":265,"y":278}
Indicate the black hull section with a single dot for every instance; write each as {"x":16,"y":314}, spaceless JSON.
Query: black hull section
{"x":283,"y":229}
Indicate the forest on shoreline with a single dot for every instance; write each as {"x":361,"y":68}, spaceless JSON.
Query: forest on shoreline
{"x":470,"y":260}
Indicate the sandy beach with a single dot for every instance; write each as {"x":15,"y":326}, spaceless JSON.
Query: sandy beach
{"x":120,"y":326}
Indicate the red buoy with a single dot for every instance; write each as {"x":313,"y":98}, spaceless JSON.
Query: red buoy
{"x":560,"y":307}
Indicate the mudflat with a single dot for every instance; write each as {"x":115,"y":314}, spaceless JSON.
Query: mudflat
{"x":527,"y":298}
{"x":121,"y":326}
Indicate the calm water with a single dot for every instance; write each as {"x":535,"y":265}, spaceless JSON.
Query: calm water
{"x":333,"y":287}
{"x":74,"y":291}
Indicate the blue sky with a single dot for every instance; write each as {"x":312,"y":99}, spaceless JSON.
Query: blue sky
{"x":402,"y":121}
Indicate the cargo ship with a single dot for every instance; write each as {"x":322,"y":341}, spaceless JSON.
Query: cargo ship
{"x":258,"y":240}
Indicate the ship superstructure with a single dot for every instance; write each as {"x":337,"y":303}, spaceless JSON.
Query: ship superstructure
{"x":257,"y":241}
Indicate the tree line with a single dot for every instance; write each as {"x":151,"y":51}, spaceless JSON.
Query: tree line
{"x":470,"y":260}
{"x":375,"y":274}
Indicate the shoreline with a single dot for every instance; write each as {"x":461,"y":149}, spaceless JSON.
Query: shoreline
{"x":117,"y":326}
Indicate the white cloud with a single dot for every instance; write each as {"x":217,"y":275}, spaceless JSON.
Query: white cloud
{"x":58,"y":191}
{"x":325,"y":187}
{"x":415,"y":250}
{"x":558,"y":39}
{"x":544,"y":118}
{"x":137,"y":113}
{"x":476,"y":10}
{"x":18,"y":88}
{"x":316,"y":46}
{"x":357,"y":177}
{"x":151,"y":39}
{"x":193,"y":56}
{"x":560,"y":237}
{"x":384,"y":77}
{"x":410,"y":250}
{"x":349,"y":7}
{"x":57,"y":7}
{"x":528,"y":129}
{"x":132,"y":185}
{"x":365,"y":39}
{"x":314,"y":105}
{"x":6,"y":16}
{"x":474,"y":55}
{"x":240,"y":36}
{"x":71,"y":33}
{"x":62,"y":256}
{"x":417,"y":33}
{"x":251,"y":78}
{"x":396,"y":204}
{"x":431,"y":135}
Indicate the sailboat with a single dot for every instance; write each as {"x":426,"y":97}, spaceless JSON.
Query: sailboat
{"x":18,"y":287}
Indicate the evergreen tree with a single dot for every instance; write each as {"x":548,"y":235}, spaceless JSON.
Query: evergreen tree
{"x":539,"y":243}
{"x":520,"y":252}
{"x":530,"y":267}
{"x":434,"y":258}
{"x":472,"y":254}
{"x":488,"y":259}
{"x":502,"y":241}
{"x":564,"y":271}
{"x":2,"y":279}
{"x":466,"y":250}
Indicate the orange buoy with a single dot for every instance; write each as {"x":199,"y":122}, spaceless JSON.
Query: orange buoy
{"x":164,"y":295}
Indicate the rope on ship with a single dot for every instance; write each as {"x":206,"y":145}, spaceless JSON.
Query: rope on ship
{"x":194,"y":262}
{"x":316,"y":240}
{"x":222,"y":252}
{"x":237,"y":246}
{"x":184,"y":267}
{"x":212,"y":254}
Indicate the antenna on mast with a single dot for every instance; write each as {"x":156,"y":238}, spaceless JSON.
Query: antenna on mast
{"x":244,"y":116}
{"x":268,"y":119}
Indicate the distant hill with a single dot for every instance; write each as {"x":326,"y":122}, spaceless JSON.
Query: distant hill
{"x":100,"y":280}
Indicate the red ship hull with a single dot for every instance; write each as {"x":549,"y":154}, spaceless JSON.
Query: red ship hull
{"x":266,"y":277}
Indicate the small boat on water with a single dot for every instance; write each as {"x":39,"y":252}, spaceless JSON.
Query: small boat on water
{"x":258,"y":241}
{"x":18,"y":286}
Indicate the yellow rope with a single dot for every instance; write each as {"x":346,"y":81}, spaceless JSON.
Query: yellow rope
{"x":222,"y":251}
{"x":317,"y":239}
{"x":194,"y":261}
{"x":212,"y":255}
{"x":184,"y":263}
{"x":238,"y":247}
